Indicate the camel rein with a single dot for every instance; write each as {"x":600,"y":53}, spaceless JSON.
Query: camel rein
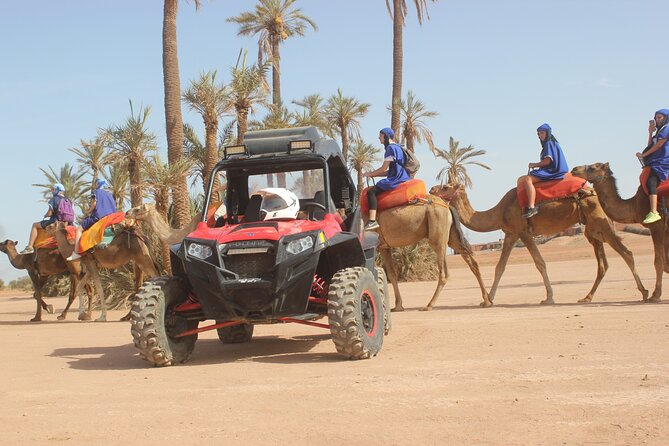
{"x":421,"y":200}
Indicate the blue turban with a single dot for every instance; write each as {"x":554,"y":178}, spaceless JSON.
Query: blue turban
{"x":100,"y":183}
{"x":549,"y":131}
{"x":663,"y":111}
{"x":388,"y":132}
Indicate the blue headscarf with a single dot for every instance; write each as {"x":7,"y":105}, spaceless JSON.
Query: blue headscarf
{"x":57,"y":188}
{"x":388,"y":133}
{"x":100,"y":183}
{"x":663,"y":111}
{"x":549,"y":132}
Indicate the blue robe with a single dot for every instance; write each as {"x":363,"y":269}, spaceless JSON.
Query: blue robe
{"x":558,"y":166}
{"x":104,"y":205}
{"x":659,"y":160}
{"x":397,"y":174}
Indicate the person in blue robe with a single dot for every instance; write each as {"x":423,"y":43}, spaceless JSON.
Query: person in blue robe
{"x":102,"y":204}
{"x":552,"y":166}
{"x":392,"y":168}
{"x":656,"y":155}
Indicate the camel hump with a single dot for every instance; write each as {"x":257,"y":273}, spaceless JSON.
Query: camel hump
{"x":551,"y":190}
{"x":402,"y":194}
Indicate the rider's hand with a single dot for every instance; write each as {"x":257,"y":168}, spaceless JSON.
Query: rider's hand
{"x":639,"y":155}
{"x":651,"y":126}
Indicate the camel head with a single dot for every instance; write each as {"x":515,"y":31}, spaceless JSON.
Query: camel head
{"x":447,"y":191}
{"x":8,"y":243}
{"x":593,"y":172}
{"x":140,"y":212}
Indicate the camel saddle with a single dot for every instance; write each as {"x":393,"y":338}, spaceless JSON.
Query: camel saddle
{"x":101,"y":233}
{"x":45,"y":241}
{"x":662,"y":188}
{"x":402,"y":194}
{"x":551,"y":190}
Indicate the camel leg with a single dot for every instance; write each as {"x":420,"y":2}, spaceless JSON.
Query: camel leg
{"x":38,"y":283}
{"x":440,"y":249}
{"x":602,"y":265}
{"x":628,"y":257}
{"x":657,"y":233}
{"x":386,"y":255}
{"x":95,"y":277}
{"x":509,"y":241}
{"x":74,"y":284}
{"x":541,"y":266}
{"x":84,"y":282}
{"x":473,"y":265}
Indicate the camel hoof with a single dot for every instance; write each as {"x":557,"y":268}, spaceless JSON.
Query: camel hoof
{"x":485,"y":304}
{"x":49,"y":309}
{"x":36,"y":319}
{"x":101,"y":319}
{"x":61,"y":317}
{"x":428,"y":308}
{"x":585,"y":300}
{"x":655,"y":299}
{"x":397,"y":309}
{"x":644,"y":295}
{"x":84,"y":317}
{"x":547,"y":302}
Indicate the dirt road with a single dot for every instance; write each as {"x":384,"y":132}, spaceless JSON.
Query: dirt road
{"x":516,"y":373}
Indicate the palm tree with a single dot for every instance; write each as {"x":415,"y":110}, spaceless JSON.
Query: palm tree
{"x":210,"y":101}
{"x":398,"y":25}
{"x":76,"y":188}
{"x":93,"y":155}
{"x":118,"y":179}
{"x":457,"y":159}
{"x":133,"y":141}
{"x":413,"y":112}
{"x":248,"y":90}
{"x":274,"y":21}
{"x":362,"y":158}
{"x":313,"y":113}
{"x":159,"y":177}
{"x":343,"y":113}
{"x":173,"y":119}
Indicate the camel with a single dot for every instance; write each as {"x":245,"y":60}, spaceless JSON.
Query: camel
{"x":428,"y":220}
{"x":631,"y":210}
{"x":126,"y":246}
{"x":40,"y":266}
{"x":431,"y":219}
{"x":555,"y":217}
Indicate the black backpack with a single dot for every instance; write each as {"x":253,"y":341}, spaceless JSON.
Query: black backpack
{"x":411,"y":163}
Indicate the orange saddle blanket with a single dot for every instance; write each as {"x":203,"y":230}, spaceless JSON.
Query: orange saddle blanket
{"x":662,"y":188}
{"x":92,"y":236}
{"x":551,"y":190}
{"x":44,"y":240}
{"x":402,"y":194}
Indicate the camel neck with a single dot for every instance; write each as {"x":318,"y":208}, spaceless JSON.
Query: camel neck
{"x":485,"y":221}
{"x":17,"y":260}
{"x":617,"y":208}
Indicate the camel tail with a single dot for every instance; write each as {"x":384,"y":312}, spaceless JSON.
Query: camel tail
{"x":461,"y":241}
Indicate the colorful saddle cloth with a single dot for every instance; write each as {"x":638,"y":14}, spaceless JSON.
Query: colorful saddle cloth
{"x":44,"y":240}
{"x":551,"y":190}
{"x":100,"y":233}
{"x":662,"y":188}
{"x":402,"y":194}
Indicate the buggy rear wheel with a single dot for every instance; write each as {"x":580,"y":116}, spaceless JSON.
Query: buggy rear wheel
{"x":382,"y":282}
{"x":235,"y":334}
{"x":355,"y":313}
{"x":154,"y":322}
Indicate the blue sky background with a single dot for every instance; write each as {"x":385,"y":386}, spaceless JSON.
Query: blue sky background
{"x":494,"y":71}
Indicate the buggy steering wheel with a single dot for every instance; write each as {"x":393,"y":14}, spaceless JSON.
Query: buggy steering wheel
{"x":313,"y":204}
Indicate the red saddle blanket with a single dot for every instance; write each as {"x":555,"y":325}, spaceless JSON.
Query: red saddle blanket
{"x":662,"y":188}
{"x":550,"y":190}
{"x":402,"y":194}
{"x":45,"y":241}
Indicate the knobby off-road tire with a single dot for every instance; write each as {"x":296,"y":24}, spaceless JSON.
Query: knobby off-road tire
{"x":153,"y":322}
{"x":382,"y":283}
{"x":235,"y":334}
{"x":355,"y":313}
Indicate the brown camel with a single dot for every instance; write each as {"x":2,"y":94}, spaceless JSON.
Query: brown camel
{"x":431,"y":221}
{"x":554,"y":217}
{"x":126,"y":246}
{"x":40,"y":266}
{"x":631,"y":210}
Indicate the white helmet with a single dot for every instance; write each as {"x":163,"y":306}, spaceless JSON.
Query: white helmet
{"x":278,"y":203}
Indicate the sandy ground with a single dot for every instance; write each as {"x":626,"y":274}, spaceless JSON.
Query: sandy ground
{"x":516,"y":373}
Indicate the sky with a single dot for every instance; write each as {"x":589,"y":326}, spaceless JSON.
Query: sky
{"x":595,"y":70}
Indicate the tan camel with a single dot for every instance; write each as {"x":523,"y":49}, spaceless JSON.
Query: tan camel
{"x":432,"y":220}
{"x":429,"y":221}
{"x":631,"y":210}
{"x":40,"y":266}
{"x":126,"y":246}
{"x":554,"y":217}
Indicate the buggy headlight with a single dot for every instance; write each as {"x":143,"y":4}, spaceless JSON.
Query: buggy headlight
{"x":199,"y":251}
{"x":300,"y":245}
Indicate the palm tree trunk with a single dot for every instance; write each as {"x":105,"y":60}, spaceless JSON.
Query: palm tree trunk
{"x":409,"y":139}
{"x":211,"y":149}
{"x":242,"y":123}
{"x":135,"y":175}
{"x":173,"y":119}
{"x":397,"y":67}
{"x":161,"y":207}
{"x":344,"y":143}
{"x":360,"y":184}
{"x":276,"y":75}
